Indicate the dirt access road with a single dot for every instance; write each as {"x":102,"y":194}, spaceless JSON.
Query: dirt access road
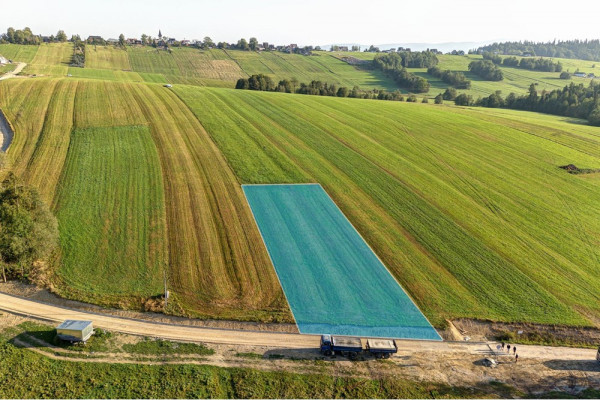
{"x":22,"y":306}
{"x":14,"y":73}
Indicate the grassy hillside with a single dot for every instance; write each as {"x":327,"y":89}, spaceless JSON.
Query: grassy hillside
{"x":472,"y":216}
{"x":51,"y":59}
{"x":110,"y":198}
{"x":466,"y":207}
{"x":221,"y":68}
{"x":17,"y":52}
{"x":106,"y":57}
{"x":515,"y":79}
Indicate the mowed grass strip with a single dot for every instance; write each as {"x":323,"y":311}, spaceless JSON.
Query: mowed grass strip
{"x":106,"y":57}
{"x":51,"y":59}
{"x":46,"y":163}
{"x":149,"y":59}
{"x":111,"y":214}
{"x":473,"y":218}
{"x":105,"y":74}
{"x":102,"y":103}
{"x":218,"y":266}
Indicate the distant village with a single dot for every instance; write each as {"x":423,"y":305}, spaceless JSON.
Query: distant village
{"x":162,"y":41}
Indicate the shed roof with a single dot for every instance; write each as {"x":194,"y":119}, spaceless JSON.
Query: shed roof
{"x":74,"y":325}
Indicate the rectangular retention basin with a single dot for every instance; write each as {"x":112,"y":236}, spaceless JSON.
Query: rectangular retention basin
{"x":333,"y":281}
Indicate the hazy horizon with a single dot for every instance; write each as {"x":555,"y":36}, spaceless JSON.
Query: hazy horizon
{"x":310,"y":22}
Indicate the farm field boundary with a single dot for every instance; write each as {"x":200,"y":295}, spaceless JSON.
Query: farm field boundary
{"x":332,"y":279}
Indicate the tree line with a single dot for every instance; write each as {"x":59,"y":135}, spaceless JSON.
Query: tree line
{"x":29,"y":229}
{"x":580,"y":49}
{"x":578,"y":101}
{"x":394,"y":65}
{"x":456,"y":79}
{"x":317,"y":88}
{"x":26,"y":36}
{"x":486,"y":69}
{"x":533,"y":64}
{"x":78,"y":57}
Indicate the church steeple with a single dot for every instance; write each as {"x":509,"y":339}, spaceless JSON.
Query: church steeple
{"x":159,"y":34}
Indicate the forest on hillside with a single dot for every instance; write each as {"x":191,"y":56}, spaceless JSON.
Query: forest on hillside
{"x":580,"y":49}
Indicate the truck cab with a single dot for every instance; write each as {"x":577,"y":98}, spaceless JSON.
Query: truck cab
{"x":326,"y":346}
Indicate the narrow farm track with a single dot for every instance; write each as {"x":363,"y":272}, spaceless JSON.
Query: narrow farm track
{"x":15,"y":72}
{"x":21,"y":306}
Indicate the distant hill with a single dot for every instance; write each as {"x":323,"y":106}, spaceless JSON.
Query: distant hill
{"x":443,"y":47}
{"x":577,"y":49}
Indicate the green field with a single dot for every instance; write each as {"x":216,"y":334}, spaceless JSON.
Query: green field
{"x":106,"y":57}
{"x":111,"y":213}
{"x":471,"y":215}
{"x":466,"y":207}
{"x":105,"y":74}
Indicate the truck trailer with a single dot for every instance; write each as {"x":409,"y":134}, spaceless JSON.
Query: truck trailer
{"x":344,"y":345}
{"x":382,"y":348}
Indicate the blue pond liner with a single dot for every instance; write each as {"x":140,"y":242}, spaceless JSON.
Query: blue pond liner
{"x":333,"y":281}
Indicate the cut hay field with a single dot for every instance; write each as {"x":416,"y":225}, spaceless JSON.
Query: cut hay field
{"x":468,"y":209}
{"x":106,"y":57}
{"x":140,"y":190}
{"x":230,"y":65}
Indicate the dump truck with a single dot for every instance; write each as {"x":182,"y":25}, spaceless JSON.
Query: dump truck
{"x":382,"y":348}
{"x":344,"y":345}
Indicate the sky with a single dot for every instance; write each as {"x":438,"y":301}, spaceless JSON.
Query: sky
{"x":312,"y":22}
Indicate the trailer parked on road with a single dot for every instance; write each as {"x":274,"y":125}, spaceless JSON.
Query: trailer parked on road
{"x":381,"y":348}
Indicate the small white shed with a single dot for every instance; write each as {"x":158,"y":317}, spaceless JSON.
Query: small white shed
{"x":75,"y":331}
